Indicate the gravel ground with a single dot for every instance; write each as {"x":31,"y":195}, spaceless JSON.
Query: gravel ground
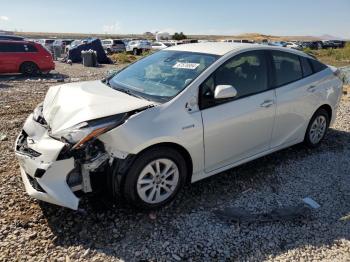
{"x":187,"y":230}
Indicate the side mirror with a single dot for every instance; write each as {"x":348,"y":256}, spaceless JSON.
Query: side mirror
{"x":225,"y":91}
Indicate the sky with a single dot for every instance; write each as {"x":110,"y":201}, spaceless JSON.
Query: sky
{"x":216,"y":17}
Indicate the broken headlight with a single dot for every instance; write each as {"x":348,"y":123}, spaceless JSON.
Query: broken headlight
{"x":38,"y":112}
{"x":83,"y":132}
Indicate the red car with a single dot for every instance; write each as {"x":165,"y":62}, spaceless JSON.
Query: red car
{"x":24,"y":57}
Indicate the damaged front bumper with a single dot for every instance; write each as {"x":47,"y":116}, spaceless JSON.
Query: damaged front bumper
{"x":47,"y":175}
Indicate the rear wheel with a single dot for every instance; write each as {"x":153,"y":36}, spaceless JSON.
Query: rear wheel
{"x":29,"y":68}
{"x":317,"y":128}
{"x":155,"y":178}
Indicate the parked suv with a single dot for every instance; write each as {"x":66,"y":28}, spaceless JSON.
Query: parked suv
{"x":113,"y":45}
{"x":24,"y":57}
{"x":179,"y":115}
{"x":138,"y":46}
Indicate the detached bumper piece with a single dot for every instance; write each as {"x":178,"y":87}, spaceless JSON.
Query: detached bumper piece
{"x":43,"y":176}
{"x":52,"y":187}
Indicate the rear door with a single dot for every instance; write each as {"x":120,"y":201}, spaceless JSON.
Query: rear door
{"x":241,"y":127}
{"x":296,"y":88}
{"x":10,"y":56}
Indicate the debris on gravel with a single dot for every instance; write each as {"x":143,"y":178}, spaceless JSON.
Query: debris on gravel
{"x":187,"y":229}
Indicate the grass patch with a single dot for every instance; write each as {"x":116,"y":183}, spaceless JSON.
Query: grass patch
{"x":123,"y":58}
{"x":126,"y":58}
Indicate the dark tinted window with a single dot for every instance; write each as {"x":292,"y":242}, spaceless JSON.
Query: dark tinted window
{"x":118,"y":42}
{"x":287,"y":67}
{"x":317,"y":66}
{"x":30,"y":48}
{"x":246,"y":72}
{"x":307,"y":70}
{"x":207,"y":93}
{"x":11,"y":47}
{"x":4,"y":47}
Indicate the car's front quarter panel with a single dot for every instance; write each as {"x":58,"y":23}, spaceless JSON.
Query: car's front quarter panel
{"x":166,"y":123}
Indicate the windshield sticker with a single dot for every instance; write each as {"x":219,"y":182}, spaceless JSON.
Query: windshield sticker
{"x":182,"y":65}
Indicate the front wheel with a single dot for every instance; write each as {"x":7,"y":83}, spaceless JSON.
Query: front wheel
{"x":317,"y":128}
{"x":155,"y":178}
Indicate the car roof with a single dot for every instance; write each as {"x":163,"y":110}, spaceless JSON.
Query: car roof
{"x":222,"y":48}
{"x":16,"y":42}
{"x":11,"y":37}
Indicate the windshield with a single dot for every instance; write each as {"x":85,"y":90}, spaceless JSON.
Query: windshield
{"x":163,"y":75}
{"x":76,"y":42}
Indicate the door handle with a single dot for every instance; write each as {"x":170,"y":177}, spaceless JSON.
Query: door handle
{"x":311,"y":89}
{"x":267,"y":103}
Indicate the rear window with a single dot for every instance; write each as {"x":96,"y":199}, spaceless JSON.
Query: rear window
{"x":287,"y":67}
{"x":118,"y":42}
{"x":317,"y":66}
{"x":305,"y":64}
{"x":49,"y":41}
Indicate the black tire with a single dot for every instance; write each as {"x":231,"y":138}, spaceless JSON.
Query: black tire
{"x":29,"y":69}
{"x":135,"y":51}
{"x":130,"y":192}
{"x":307,"y":140}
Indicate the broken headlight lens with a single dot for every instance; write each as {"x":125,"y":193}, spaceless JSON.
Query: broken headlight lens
{"x":81,"y":133}
{"x":38,"y":112}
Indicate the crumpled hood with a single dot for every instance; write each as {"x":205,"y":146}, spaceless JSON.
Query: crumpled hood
{"x":70,"y":104}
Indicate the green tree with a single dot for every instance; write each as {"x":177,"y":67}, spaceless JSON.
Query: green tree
{"x":179,"y":36}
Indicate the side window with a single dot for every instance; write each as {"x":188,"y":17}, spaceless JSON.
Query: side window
{"x":4,"y":47}
{"x":305,"y":64}
{"x":317,"y":66}
{"x":287,"y":67}
{"x":207,"y":89}
{"x":30,"y":48}
{"x":10,"y":47}
{"x":247,"y":72}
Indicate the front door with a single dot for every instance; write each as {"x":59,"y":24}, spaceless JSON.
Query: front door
{"x":240,"y":127}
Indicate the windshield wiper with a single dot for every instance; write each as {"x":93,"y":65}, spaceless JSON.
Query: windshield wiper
{"x":126,"y":91}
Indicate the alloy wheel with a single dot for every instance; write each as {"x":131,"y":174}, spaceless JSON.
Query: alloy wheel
{"x":318,"y":129}
{"x":158,"y":181}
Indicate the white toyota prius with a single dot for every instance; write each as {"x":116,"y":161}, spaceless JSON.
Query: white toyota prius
{"x":177,"y":116}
